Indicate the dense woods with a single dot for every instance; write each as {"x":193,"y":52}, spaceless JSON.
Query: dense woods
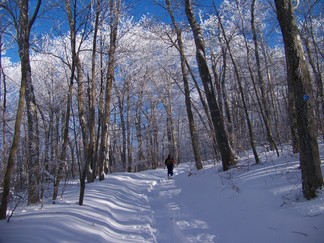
{"x":88,"y":88}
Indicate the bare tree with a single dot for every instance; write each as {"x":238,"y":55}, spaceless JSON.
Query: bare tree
{"x":23,"y":25}
{"x":23,"y":30}
{"x":72,"y":12}
{"x":265,"y":110}
{"x":114,"y":8}
{"x":3,"y":94}
{"x":227,"y":154}
{"x":185,"y":78}
{"x":300,"y":82}
{"x":240,"y":85}
{"x":92,"y":119}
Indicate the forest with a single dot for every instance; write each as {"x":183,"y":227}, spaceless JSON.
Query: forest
{"x":89,"y":88}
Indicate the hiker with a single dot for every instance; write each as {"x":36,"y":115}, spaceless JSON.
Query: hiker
{"x":169,"y":162}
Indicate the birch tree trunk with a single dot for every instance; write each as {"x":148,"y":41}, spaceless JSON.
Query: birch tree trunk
{"x":299,"y":81}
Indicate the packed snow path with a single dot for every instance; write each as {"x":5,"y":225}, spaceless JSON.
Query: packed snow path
{"x":174,"y":221}
{"x":125,"y":207}
{"x":259,"y":203}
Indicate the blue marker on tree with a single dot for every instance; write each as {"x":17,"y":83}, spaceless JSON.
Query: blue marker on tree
{"x":306,"y":97}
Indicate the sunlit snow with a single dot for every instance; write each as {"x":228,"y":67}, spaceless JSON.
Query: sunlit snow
{"x":251,"y":203}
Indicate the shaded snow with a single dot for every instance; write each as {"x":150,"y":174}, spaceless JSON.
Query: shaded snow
{"x":251,"y":203}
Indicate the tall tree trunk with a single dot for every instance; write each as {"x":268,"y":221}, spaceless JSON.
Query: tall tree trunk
{"x":92,"y":120}
{"x":205,"y":107}
{"x":84,"y":129}
{"x":192,"y":126}
{"x":23,"y":27}
{"x":76,"y":62}
{"x":33,"y":135}
{"x":266,"y":113}
{"x":33,"y":132}
{"x":114,"y":6}
{"x":239,"y":81}
{"x":13,"y":152}
{"x":300,"y":81}
{"x":227,"y":155}
{"x":101,"y":102}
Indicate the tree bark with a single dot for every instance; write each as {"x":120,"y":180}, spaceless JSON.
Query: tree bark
{"x":13,"y":152}
{"x":192,"y":126}
{"x":76,"y":65}
{"x":33,"y":132}
{"x":114,"y":6}
{"x":23,"y":27}
{"x":92,"y":120}
{"x":300,"y":82}
{"x":239,"y":81}
{"x":227,"y":155}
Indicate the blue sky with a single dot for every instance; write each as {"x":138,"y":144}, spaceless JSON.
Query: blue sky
{"x":138,"y":9}
{"x":149,"y":6}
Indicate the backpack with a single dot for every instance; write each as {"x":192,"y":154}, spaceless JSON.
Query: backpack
{"x":169,"y":162}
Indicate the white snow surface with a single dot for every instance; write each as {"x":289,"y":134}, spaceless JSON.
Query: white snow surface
{"x":247,"y":204}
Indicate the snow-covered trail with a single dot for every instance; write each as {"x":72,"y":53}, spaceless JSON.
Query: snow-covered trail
{"x":164,"y":211}
{"x":259,"y":203}
{"x":172,"y":218}
{"x":125,"y":207}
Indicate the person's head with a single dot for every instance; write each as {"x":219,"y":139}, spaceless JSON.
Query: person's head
{"x":169,"y":156}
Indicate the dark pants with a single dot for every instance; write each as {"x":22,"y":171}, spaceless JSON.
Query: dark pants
{"x":170,"y":170}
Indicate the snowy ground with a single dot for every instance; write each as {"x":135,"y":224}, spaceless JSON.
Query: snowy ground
{"x":252,"y":203}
